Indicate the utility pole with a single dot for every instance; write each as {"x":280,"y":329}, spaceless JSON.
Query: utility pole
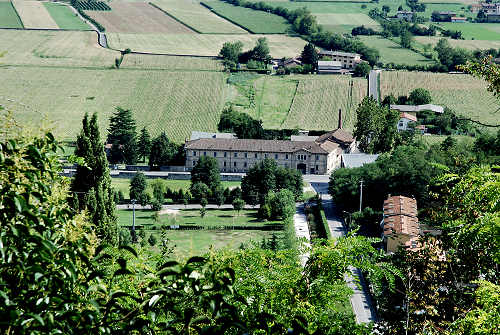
{"x":360,"y":195}
{"x":134,"y":238}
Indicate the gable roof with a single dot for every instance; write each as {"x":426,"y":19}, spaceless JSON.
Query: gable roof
{"x":271,"y":146}
{"x":338,"y":53}
{"x":408,"y":116}
{"x":400,"y":216}
{"x":202,"y":134}
{"x":338,"y":135}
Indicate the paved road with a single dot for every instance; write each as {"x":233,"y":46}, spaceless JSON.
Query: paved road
{"x":373,"y":84}
{"x":361,"y":302}
{"x":302,"y":232}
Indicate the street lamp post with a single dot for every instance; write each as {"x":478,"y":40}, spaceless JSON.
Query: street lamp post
{"x":134,"y":238}
{"x":360,"y":195}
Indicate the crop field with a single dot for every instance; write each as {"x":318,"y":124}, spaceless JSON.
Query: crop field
{"x":34,"y":14}
{"x":54,"y":48}
{"x":477,"y":31}
{"x":464,"y":2}
{"x":391,"y":52}
{"x":65,"y":17}
{"x":137,"y":17}
{"x":466,"y":95}
{"x":175,"y":102}
{"x":8,"y":16}
{"x":266,"y":98}
{"x":318,"y":99}
{"x":466,"y":44}
{"x":159,"y":62}
{"x":257,"y":22}
{"x":202,"y":44}
{"x":198,"y":17}
{"x":345,"y":22}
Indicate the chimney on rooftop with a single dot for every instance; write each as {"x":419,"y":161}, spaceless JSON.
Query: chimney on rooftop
{"x":340,"y":119}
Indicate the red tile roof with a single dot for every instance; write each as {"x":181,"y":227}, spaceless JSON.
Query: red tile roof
{"x":408,"y":116}
{"x":400,"y":216}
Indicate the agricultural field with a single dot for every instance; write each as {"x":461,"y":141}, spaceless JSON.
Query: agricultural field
{"x":391,"y":52}
{"x":174,"y":102}
{"x":160,"y":62}
{"x":65,"y":17}
{"x":477,"y":31}
{"x":54,"y":48}
{"x":198,"y":17}
{"x":34,"y":14}
{"x":465,"y":95}
{"x":8,"y":16}
{"x":318,"y":99}
{"x":344,"y":22}
{"x":437,"y":139}
{"x":137,"y":17}
{"x":266,"y":98}
{"x":465,"y":2}
{"x":202,"y":44}
{"x":257,"y":22}
{"x":465,"y":44}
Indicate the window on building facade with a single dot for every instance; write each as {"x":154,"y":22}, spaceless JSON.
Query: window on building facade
{"x":286,"y":156}
{"x":245,"y":164}
{"x":317,"y":157}
{"x":225,"y":154}
{"x":224,"y":164}
{"x":255,"y":155}
{"x":246,"y":155}
{"x":275,"y":156}
{"x":204,"y":153}
{"x":265,"y":155}
{"x":235,"y":154}
{"x":194,"y":153}
{"x":234,"y":164}
{"x":215,"y":154}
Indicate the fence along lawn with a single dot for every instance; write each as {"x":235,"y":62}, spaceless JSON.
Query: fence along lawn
{"x":256,"y":21}
{"x":65,"y":17}
{"x":8,"y":16}
{"x":175,"y":102}
{"x":466,"y":95}
{"x":34,"y":14}
{"x":202,"y":44}
{"x":54,"y":48}
{"x":198,"y":17}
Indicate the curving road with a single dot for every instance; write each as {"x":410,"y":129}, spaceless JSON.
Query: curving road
{"x":373,"y":84}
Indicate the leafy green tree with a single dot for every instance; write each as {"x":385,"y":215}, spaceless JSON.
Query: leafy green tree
{"x":206,"y":171}
{"x":309,"y":55}
{"x":138,"y":186}
{"x":144,"y":144}
{"x":420,"y":96}
{"x":261,"y":51}
{"x":406,"y":39}
{"x":203,"y":202}
{"x":200,"y":191}
{"x":91,"y":185}
{"x":152,"y":240}
{"x":159,"y":188}
{"x":163,"y":152}
{"x":238,"y":205}
{"x":219,"y":196}
{"x":282,"y":204}
{"x":368,"y":124}
{"x":122,"y":131}
{"x":230,"y":52}
{"x":388,"y":135}
{"x":362,"y":70}
{"x":203,"y":211}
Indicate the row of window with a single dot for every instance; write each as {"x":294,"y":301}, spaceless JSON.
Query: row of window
{"x":276,"y":156}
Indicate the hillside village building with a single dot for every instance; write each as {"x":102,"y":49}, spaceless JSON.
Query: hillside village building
{"x":405,"y":15}
{"x":348,"y":60}
{"x":320,"y":155}
{"x":400,"y":223}
{"x":404,"y":120}
{"x":330,"y":66}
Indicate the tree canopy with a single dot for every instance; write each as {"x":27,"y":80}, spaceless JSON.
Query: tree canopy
{"x":122,"y":133}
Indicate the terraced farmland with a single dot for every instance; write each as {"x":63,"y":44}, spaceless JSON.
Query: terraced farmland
{"x":257,"y":22}
{"x":34,"y":14}
{"x":137,"y":17}
{"x":175,"y":102}
{"x":65,"y":17}
{"x":464,"y":94}
{"x":8,"y":16}
{"x":198,"y":17}
{"x":202,"y":44}
{"x":318,"y":99}
{"x":54,"y":48}
{"x":152,"y":62}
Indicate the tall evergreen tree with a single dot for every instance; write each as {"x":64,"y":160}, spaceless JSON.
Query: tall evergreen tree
{"x":144,"y":144}
{"x":206,"y":171}
{"x":91,"y":185}
{"x":122,"y":131}
{"x":310,"y":55}
{"x":163,"y":152}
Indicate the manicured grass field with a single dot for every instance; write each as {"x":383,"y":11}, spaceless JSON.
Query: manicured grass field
{"x":391,"y":52}
{"x":198,"y":17}
{"x":466,"y":44}
{"x":344,"y":22}
{"x":8,"y":16}
{"x":257,"y":22}
{"x":123,"y":184}
{"x":267,"y":98}
{"x":152,"y":62}
{"x":65,"y":17}
{"x":462,"y":93}
{"x":137,"y":17}
{"x":202,"y":44}
{"x":477,"y":31}
{"x":175,"y":102}
{"x":318,"y":99}
{"x":54,"y":48}
{"x":34,"y":14}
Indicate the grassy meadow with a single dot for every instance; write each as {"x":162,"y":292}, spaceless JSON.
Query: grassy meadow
{"x":202,"y":44}
{"x":476,"y":31}
{"x":8,"y":16}
{"x":198,"y":17}
{"x":344,"y":22}
{"x":257,"y":22}
{"x":465,"y":44}
{"x":392,"y":52}
{"x":466,"y":95}
{"x":65,"y":18}
{"x":175,"y":102}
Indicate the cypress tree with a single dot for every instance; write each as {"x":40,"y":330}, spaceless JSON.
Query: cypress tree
{"x":91,"y":185}
{"x":144,"y":144}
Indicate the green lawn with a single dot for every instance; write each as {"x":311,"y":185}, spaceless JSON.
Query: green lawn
{"x":253,"y":20}
{"x":477,"y":31}
{"x":8,"y":16}
{"x":65,"y":17}
{"x":123,"y":184}
{"x":437,"y":139}
{"x":391,"y":52}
